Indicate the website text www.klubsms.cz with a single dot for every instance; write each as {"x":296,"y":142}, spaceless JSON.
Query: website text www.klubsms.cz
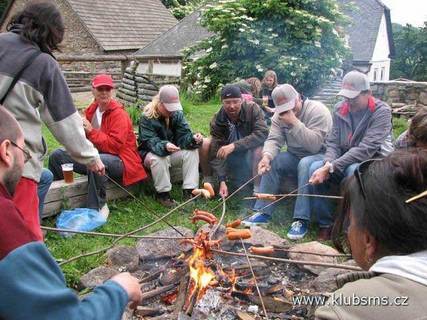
{"x":353,"y":300}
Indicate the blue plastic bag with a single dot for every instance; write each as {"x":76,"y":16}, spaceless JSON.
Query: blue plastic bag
{"x":79,"y":219}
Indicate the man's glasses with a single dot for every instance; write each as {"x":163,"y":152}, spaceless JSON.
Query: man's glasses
{"x":27,"y":154}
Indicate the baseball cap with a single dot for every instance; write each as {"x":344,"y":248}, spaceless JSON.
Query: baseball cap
{"x":169,"y":96}
{"x":230,"y":91}
{"x":284,"y":98}
{"x":102,"y":80}
{"x":353,"y":83}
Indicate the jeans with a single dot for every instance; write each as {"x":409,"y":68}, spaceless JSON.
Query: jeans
{"x":43,"y":187}
{"x":239,"y":168}
{"x":96,"y":197}
{"x":286,"y":164}
{"x":323,"y":207}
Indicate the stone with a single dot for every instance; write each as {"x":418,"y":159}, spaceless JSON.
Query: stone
{"x":326,"y":281}
{"x":423,"y":98}
{"x":97,"y":277}
{"x":393,"y":93}
{"x":128,"y":314}
{"x":123,"y":258}
{"x":157,"y":248}
{"x":263,"y":237}
{"x":315,"y":247}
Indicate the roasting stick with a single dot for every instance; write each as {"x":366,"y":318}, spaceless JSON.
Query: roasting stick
{"x":115,"y":235}
{"x":293,"y":195}
{"x":237,"y":190}
{"x":284,"y":196}
{"x":215,"y":229}
{"x":126,"y":235}
{"x":141,"y":203}
{"x":255,"y":281}
{"x":311,"y":263}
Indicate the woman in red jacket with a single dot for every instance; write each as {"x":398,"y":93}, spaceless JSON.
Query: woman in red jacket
{"x":109,"y":128}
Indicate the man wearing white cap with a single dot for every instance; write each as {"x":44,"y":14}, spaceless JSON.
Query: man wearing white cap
{"x":362,"y":130}
{"x":301,"y":125}
{"x":168,"y":145}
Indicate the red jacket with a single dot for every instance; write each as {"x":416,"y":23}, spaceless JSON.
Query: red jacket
{"x":117,"y":137}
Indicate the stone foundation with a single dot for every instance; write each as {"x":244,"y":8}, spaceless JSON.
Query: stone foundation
{"x":405,"y":97}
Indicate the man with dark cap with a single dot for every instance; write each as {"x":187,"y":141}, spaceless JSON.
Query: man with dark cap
{"x":238,"y":132}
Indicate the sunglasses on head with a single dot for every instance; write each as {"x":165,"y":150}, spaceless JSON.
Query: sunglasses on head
{"x":360,"y":171}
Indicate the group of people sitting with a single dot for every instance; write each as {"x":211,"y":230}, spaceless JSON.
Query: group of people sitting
{"x":382,"y":220}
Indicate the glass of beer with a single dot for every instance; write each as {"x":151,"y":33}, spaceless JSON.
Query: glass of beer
{"x":265,"y":101}
{"x":67,"y":171}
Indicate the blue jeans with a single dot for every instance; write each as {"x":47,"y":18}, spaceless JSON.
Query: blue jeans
{"x":43,"y":187}
{"x":286,"y":164}
{"x":323,"y":207}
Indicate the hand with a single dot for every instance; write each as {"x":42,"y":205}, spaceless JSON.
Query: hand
{"x":87,"y":126}
{"x":170,"y":147}
{"x":97,"y":166}
{"x":288,"y":117}
{"x":264,"y":165}
{"x":223,"y":189}
{"x":131,"y":285}
{"x":320,"y":175}
{"x":225,"y":151}
{"x":198,"y":137}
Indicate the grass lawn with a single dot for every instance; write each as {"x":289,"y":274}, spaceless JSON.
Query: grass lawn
{"x":127,"y":215}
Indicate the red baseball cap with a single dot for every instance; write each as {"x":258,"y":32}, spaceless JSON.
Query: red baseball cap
{"x":103,"y":80}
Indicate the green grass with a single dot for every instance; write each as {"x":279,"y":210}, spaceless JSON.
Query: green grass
{"x":127,"y":215}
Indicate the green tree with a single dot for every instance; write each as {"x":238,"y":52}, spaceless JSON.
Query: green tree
{"x":3,"y":5}
{"x":302,"y":40}
{"x":411,"y":52}
{"x":181,"y":8}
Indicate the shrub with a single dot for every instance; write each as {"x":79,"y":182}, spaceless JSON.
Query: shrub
{"x":301,"y":40}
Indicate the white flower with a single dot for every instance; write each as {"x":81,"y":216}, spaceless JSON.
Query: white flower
{"x":241,"y":30}
{"x":208,"y":50}
{"x":274,"y":35}
{"x":293,"y":74}
{"x":224,"y":46}
{"x":213,"y":65}
{"x":270,"y":29}
{"x":207,"y":80}
{"x":317,"y":44}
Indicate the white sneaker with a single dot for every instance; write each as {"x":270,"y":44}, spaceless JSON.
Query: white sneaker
{"x":105,"y":211}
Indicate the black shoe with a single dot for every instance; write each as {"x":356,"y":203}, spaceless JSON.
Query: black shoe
{"x":165,"y":199}
{"x":186,"y":194}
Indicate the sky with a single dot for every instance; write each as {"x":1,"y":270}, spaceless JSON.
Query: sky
{"x":407,"y":11}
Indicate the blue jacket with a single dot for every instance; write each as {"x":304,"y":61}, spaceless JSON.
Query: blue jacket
{"x":32,"y":284}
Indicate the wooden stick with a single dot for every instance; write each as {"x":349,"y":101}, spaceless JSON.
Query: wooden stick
{"x":255,"y":281}
{"x":295,"y":195}
{"x":152,"y":212}
{"x":314,"y":253}
{"x":310,"y":263}
{"x":284,"y":196}
{"x":116,"y":235}
{"x":157,"y":291}
{"x":129,"y":233}
{"x":418,"y":196}
{"x":212,"y":233}
{"x":237,"y":190}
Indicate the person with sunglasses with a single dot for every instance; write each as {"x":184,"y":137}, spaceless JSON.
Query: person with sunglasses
{"x":108,"y":126}
{"x":32,"y":284}
{"x":34,"y":89}
{"x":383,"y":223}
{"x":362,"y":129}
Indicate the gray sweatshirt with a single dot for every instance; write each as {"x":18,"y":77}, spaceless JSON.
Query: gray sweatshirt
{"x":41,"y":96}
{"x":306,"y":137}
{"x":371,"y":138}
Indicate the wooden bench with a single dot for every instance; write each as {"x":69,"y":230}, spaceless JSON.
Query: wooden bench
{"x":73,"y":195}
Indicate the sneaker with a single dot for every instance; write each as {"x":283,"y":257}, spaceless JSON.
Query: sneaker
{"x":298,"y":230}
{"x":324,"y":234}
{"x":104,"y":211}
{"x":165,"y":199}
{"x":256,"y":219}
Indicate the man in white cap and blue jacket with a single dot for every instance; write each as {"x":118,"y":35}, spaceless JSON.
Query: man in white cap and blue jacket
{"x":362,"y":130}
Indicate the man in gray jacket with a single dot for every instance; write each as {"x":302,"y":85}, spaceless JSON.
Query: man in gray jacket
{"x":362,"y":130}
{"x":302,"y":126}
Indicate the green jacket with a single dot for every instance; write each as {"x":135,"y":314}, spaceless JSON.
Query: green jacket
{"x":153,"y":134}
